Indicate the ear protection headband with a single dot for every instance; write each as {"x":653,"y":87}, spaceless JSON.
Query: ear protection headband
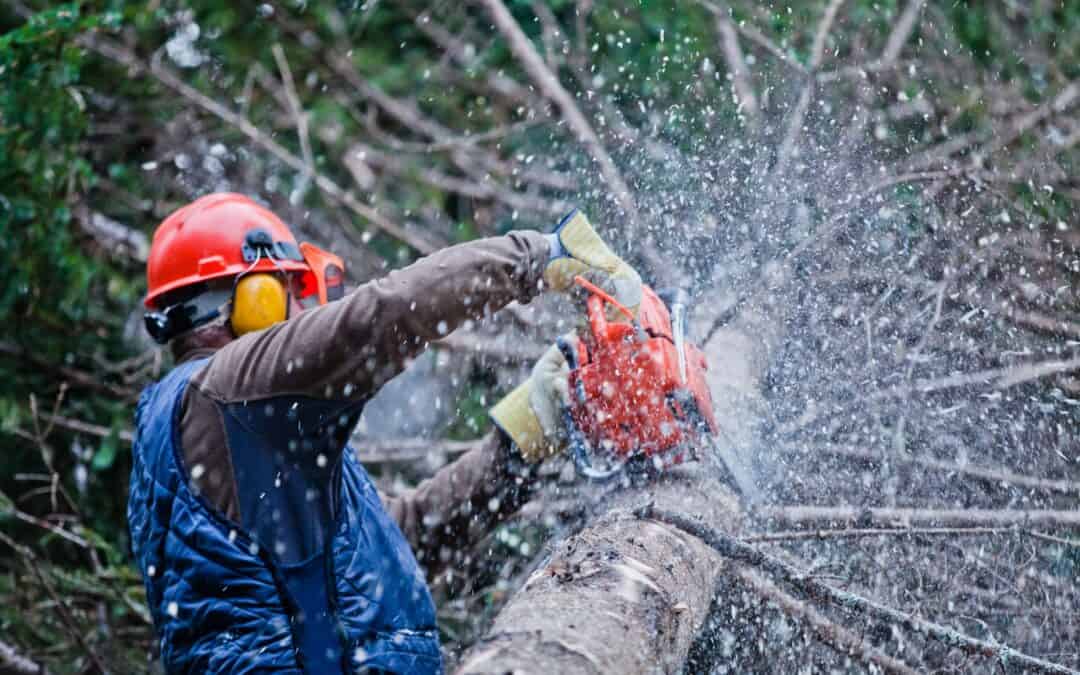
{"x":257,"y":300}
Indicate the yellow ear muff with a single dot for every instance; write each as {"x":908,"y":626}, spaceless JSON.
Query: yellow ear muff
{"x":259,"y":301}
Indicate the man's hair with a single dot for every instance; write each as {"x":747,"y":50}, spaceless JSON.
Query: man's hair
{"x":210,"y":336}
{"x":207,"y":336}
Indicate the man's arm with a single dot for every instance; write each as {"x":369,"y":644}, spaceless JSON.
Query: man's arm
{"x":447,"y":513}
{"x":345,"y":350}
{"x":349,"y":348}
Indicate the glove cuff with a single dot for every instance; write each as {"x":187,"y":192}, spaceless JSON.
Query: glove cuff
{"x":516,"y":418}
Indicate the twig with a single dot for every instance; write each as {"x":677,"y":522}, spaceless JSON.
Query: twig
{"x":825,"y":629}
{"x":859,"y":533}
{"x":549,"y":85}
{"x":734,"y":549}
{"x":795,"y":121}
{"x":996,"y":378}
{"x":14,"y":663}
{"x":759,"y":38}
{"x":890,"y":518}
{"x":465,"y":151}
{"x":503,"y":85}
{"x":34,"y":565}
{"x":486,"y":190}
{"x":300,"y":117}
{"x":989,"y":474}
{"x":901,"y":32}
{"x":740,"y":76}
{"x":46,"y":525}
{"x":73,"y":376}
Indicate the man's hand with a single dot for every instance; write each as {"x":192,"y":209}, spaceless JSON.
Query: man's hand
{"x":576,"y":249}
{"x":532,"y":414}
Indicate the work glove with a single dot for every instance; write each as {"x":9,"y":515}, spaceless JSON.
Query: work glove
{"x":576,"y":249}
{"x":532,"y":414}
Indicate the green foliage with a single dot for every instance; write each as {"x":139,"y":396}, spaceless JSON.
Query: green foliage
{"x":60,"y":297}
{"x":77,"y":133}
{"x":471,"y":412}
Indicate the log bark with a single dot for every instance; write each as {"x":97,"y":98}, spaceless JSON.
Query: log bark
{"x":620,"y":596}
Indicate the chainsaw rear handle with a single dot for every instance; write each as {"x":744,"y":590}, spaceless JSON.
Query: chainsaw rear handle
{"x":578,"y":444}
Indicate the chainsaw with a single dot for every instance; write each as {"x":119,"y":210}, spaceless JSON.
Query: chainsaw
{"x":638,"y":395}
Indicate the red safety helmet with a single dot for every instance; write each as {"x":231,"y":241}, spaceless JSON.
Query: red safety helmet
{"x":229,"y":236}
{"x":215,"y":237}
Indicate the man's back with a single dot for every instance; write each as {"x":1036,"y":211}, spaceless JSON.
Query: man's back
{"x":225,"y":603}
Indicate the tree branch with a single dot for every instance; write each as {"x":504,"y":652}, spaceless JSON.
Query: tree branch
{"x":737,"y":550}
{"x":332,"y":190}
{"x":795,"y":121}
{"x":825,"y":629}
{"x":860,"y":533}
{"x":740,"y":76}
{"x":300,"y":116}
{"x":901,"y":32}
{"x":991,"y":475}
{"x":908,"y":517}
{"x":549,"y":85}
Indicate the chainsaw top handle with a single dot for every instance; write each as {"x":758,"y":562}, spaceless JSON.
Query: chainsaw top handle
{"x":595,"y":305}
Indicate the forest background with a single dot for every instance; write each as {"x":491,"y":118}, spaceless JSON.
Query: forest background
{"x":893,"y":183}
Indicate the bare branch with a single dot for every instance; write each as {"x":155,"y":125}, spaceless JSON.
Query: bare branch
{"x":860,"y":533}
{"x":991,"y":475}
{"x":825,"y":629}
{"x":73,"y":376}
{"x":113,"y":235}
{"x":740,"y":75}
{"x":817,"y":50}
{"x":14,"y":663}
{"x":795,"y":120}
{"x":873,"y":517}
{"x":300,"y":116}
{"x":549,"y":84}
{"x":499,"y":83}
{"x":364,"y":155}
{"x":760,"y":39}
{"x":901,"y":32}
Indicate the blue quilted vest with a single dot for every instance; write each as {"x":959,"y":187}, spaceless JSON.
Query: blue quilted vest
{"x":223,"y":603}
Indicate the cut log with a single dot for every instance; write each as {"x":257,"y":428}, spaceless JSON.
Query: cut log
{"x":621,"y":596}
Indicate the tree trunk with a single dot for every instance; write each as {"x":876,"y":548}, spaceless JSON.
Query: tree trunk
{"x":625,"y":595}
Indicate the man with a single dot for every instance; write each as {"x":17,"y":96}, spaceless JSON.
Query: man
{"x":262,"y":542}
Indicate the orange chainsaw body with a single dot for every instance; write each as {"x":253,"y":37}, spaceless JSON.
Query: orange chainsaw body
{"x":631,"y":400}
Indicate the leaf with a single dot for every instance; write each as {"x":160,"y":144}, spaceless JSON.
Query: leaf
{"x":106,"y":454}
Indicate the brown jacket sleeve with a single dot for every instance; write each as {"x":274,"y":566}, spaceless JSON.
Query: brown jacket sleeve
{"x":444,"y":515}
{"x":349,"y":348}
